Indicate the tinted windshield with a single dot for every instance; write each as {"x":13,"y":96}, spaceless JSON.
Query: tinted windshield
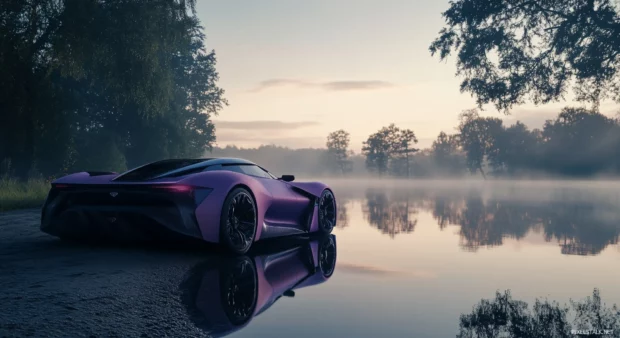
{"x":153,"y":170}
{"x":248,"y":169}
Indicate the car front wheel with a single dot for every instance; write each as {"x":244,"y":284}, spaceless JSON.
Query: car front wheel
{"x":238,"y":221}
{"x":327,"y":211}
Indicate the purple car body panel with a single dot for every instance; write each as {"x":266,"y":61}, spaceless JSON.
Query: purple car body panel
{"x":314,"y":188}
{"x":283,"y":208}
{"x":222,"y":182}
{"x":276,"y":273}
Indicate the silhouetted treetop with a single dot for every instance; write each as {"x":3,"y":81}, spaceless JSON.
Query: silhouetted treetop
{"x":512,"y":51}
{"x":390,"y":149}
{"x":338,"y":151}
{"x":510,"y":318}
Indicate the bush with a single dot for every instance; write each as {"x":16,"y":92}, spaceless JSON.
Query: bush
{"x":17,"y":195}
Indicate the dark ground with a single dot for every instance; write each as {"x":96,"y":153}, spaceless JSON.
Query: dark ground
{"x":50,"y":288}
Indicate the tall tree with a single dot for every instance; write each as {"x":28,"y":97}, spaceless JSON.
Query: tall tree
{"x":518,"y":148}
{"x":26,"y":96}
{"x":338,"y":149}
{"x":389,"y":149}
{"x":580,"y":142}
{"x":444,"y":153}
{"x":510,"y":51}
{"x":403,"y":146}
{"x":379,"y":149}
{"x":478,"y":137}
{"x":80,"y":79}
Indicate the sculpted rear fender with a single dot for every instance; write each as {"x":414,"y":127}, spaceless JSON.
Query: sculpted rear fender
{"x":222,"y":182}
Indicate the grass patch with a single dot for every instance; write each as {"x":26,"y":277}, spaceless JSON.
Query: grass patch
{"x":18,"y":195}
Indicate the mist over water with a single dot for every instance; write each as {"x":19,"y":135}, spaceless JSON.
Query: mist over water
{"x":525,"y":191}
{"x":415,"y":256}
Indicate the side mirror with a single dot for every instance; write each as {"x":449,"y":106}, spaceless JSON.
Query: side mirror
{"x":287,"y":178}
{"x":289,"y":293}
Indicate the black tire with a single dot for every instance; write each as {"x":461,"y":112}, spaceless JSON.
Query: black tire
{"x":327,"y":212}
{"x":238,"y":221}
{"x":239,"y":289}
{"x":327,"y":256}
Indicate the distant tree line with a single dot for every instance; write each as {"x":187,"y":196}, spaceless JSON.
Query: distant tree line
{"x":102,"y":85}
{"x":578,"y":142}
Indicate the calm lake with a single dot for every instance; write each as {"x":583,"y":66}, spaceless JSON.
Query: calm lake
{"x":412,"y":257}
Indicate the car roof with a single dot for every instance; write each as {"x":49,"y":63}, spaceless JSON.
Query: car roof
{"x":200,"y":165}
{"x":226,"y":160}
{"x":187,"y":165}
{"x":204,"y":162}
{"x":207,"y":162}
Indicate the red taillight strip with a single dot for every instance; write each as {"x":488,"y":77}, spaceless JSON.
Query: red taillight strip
{"x":170,"y":187}
{"x":175,"y":187}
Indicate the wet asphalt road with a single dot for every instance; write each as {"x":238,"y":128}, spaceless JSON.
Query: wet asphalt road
{"x":50,"y":288}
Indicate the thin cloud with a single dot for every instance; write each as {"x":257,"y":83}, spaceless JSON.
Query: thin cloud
{"x":264,"y":125}
{"x":356,"y":85}
{"x":328,"y":86}
{"x":279,"y":83}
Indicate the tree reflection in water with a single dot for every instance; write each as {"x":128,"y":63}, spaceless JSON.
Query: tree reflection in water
{"x":487,"y":224}
{"x":576,"y":226}
{"x":446,"y":210}
{"x":506,"y":317}
{"x":391,"y":216}
{"x":581,"y":227}
{"x":343,"y":213}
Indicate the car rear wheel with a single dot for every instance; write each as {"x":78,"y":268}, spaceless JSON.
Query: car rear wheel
{"x":327,"y":211}
{"x":239,"y":286}
{"x":238,"y":221}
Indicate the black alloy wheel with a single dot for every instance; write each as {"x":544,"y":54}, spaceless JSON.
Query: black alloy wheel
{"x":238,"y":221}
{"x":239,"y":287}
{"x":327,"y":211}
{"x":327,"y":256}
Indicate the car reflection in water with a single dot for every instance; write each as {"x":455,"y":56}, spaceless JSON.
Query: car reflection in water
{"x":223,"y":294}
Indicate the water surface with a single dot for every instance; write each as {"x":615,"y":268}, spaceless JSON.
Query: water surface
{"x":413,"y":257}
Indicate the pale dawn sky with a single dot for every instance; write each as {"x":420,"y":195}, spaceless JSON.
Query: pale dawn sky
{"x":295,"y":70}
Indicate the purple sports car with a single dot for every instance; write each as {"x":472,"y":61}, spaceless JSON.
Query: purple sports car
{"x":223,"y":294}
{"x":229,"y":201}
